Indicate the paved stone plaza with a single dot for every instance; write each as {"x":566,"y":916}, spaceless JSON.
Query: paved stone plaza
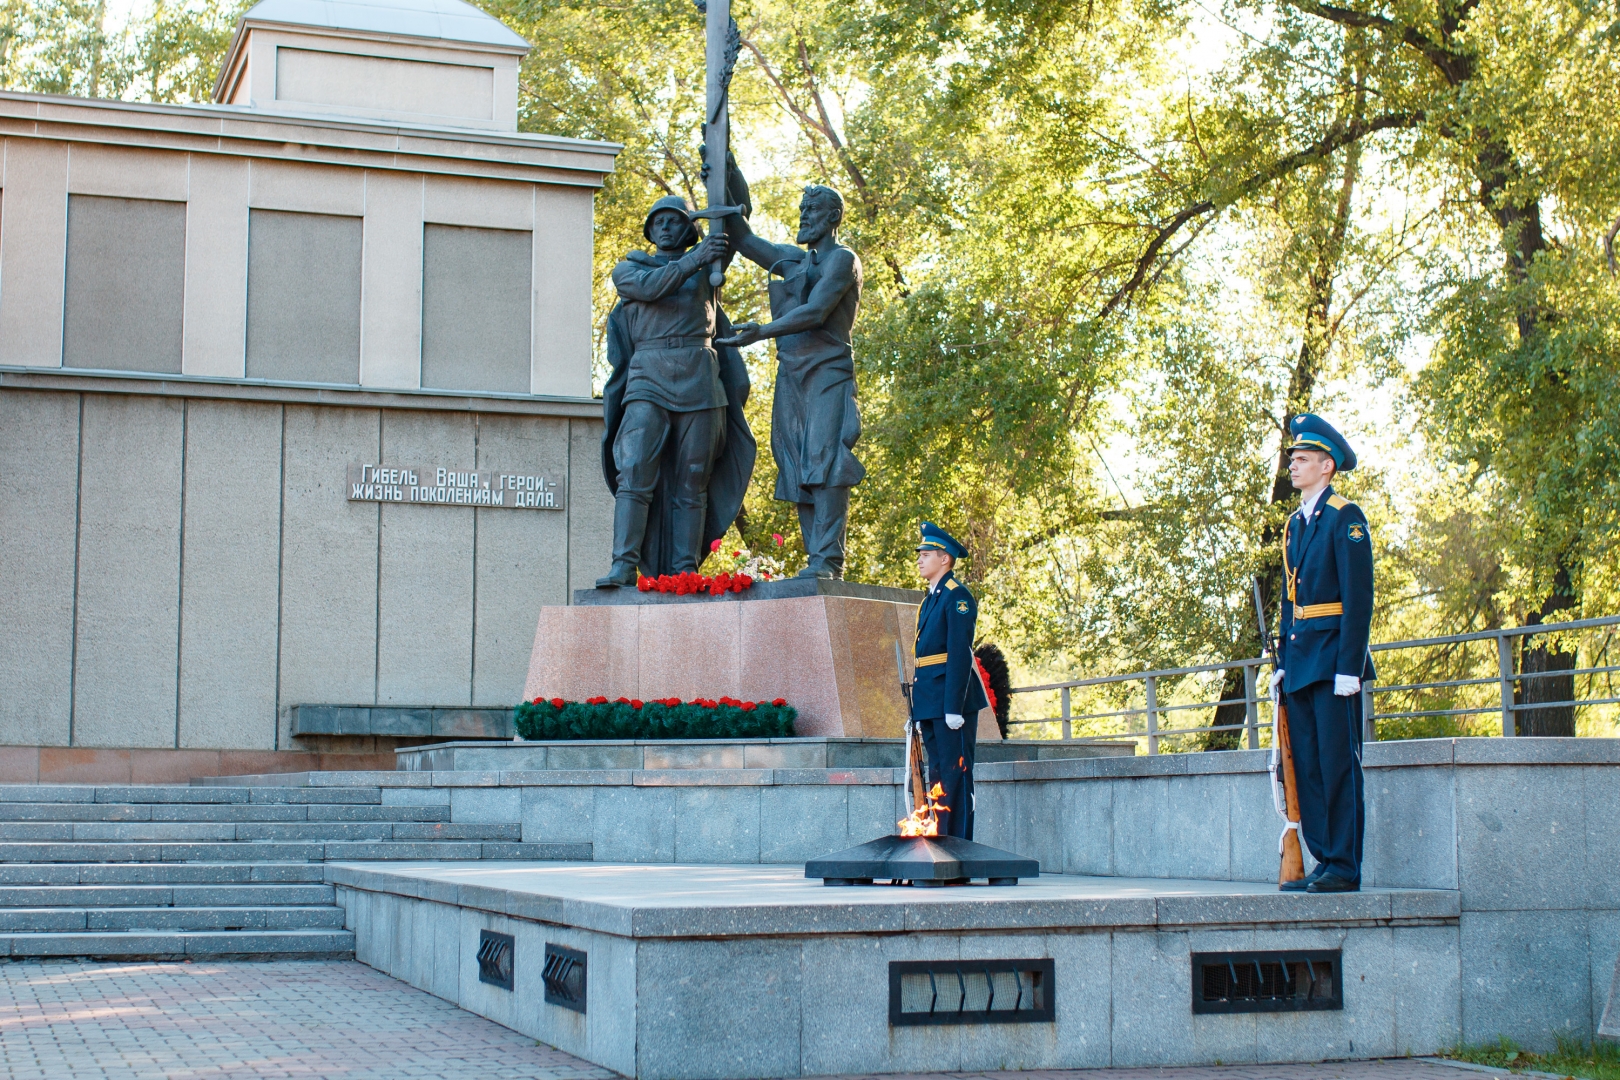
{"x":342,"y":1019}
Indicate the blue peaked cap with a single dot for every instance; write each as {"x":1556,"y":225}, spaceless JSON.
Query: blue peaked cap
{"x":935,"y":538}
{"x":1311,"y":432}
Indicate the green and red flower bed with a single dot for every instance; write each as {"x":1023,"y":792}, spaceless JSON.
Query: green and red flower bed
{"x":552,"y":719}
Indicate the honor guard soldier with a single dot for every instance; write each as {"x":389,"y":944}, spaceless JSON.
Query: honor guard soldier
{"x":1322,"y":653}
{"x":946,"y":694}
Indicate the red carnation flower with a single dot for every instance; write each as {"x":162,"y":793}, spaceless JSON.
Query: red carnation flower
{"x":645,"y":584}
{"x":536,"y":701}
{"x":621,"y":701}
{"x":779,"y":701}
{"x":635,"y":703}
{"x":715,"y":546}
{"x":746,"y":706}
{"x":776,"y":538}
{"x":557,"y":703}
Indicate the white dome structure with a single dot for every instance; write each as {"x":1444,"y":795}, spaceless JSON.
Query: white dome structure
{"x":440,"y":63}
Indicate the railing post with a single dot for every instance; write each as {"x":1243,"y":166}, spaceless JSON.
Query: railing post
{"x":1251,"y":707}
{"x":1068,"y":732}
{"x":1369,"y":725}
{"x":1504,"y":665}
{"x":1153,"y":714}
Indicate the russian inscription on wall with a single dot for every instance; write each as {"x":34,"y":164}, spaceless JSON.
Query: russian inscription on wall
{"x":453,"y":487}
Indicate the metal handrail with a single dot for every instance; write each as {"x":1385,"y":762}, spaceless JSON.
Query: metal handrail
{"x":1506,"y":678}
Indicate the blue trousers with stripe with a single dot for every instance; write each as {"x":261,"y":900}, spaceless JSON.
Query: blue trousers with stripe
{"x":1326,"y":735}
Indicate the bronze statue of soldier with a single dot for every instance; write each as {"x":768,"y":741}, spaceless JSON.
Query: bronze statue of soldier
{"x":814,"y":420}
{"x":677,"y":452}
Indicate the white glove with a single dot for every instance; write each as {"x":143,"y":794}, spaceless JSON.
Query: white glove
{"x":1346,"y":685}
{"x":1277,"y":686}
{"x":954,"y":721}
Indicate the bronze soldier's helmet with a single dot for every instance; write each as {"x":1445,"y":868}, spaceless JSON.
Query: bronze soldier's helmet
{"x":672,"y":202}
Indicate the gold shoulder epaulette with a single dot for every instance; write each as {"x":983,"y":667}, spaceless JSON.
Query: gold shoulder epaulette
{"x":950,"y":584}
{"x":1338,"y":502}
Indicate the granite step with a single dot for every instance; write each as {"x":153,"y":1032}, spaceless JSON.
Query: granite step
{"x":180,"y":944}
{"x":265,"y":812}
{"x":223,"y":831}
{"x":274,"y":851}
{"x":84,"y":896}
{"x":193,"y":873}
{"x":138,"y":794}
{"x":66,"y":920}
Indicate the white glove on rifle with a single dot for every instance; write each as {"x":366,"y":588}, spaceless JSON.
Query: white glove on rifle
{"x":1277,"y":686}
{"x":1346,"y":686}
{"x":954,"y":721}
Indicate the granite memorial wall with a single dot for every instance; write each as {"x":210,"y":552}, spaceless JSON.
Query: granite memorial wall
{"x":275,"y":372}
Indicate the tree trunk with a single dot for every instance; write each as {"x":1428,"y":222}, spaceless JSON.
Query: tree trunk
{"x":1547,"y":656}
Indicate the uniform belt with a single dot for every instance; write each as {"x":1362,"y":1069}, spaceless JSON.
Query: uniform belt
{"x":677,"y":341}
{"x":1316,"y":611}
{"x":930,"y":661}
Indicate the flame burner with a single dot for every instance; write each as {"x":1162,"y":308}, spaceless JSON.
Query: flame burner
{"x":921,"y":860}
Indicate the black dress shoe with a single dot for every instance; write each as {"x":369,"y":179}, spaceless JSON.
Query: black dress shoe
{"x":1303,"y":883}
{"x":1332,"y":883}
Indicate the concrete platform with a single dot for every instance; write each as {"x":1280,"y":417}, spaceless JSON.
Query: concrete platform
{"x":753,"y":971}
{"x":791,"y":753}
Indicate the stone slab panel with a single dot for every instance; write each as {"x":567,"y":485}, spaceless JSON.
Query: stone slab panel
{"x":873,"y":811}
{"x":1526,"y":976}
{"x":39,"y":480}
{"x":718,"y":1009}
{"x":590,"y":504}
{"x":425,"y":580}
{"x":1521,"y":837}
{"x":871,"y":631}
{"x":1411,"y":837}
{"x":1425,"y":964}
{"x":786,"y":651}
{"x":32,"y":248}
{"x":1177,"y":826}
{"x":231,"y":576}
{"x":129,"y":571}
{"x":1255,"y":827}
{"x":690,"y":651}
{"x":717,"y":825}
{"x":799,"y":823}
{"x":521,"y":561}
{"x":486,"y":805}
{"x":215,"y":327}
{"x":633,"y":824}
{"x":562,"y":295}
{"x":125,"y":293}
{"x":1601,"y":794}
{"x":391,"y":293}
{"x":328,"y":561}
{"x":557,"y":814}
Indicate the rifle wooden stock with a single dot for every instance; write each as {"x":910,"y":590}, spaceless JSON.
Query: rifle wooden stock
{"x":919,"y":785}
{"x":1293,"y":859}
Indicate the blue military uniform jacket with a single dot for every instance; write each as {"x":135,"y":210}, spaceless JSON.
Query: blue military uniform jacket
{"x":946,"y":680}
{"x":1327,"y":594}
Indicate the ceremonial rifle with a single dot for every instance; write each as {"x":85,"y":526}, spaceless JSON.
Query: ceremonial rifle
{"x":1285,"y":800}
{"x":914,"y":750}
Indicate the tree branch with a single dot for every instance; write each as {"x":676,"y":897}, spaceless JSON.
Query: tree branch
{"x":1455,"y":66}
{"x":1339,"y":136}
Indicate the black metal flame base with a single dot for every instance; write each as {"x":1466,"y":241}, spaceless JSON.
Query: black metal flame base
{"x":921,"y":860}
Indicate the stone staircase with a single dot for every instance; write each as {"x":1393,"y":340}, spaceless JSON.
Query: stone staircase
{"x":175,"y":872}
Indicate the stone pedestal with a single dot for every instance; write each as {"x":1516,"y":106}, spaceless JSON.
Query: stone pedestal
{"x":828,"y":647}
